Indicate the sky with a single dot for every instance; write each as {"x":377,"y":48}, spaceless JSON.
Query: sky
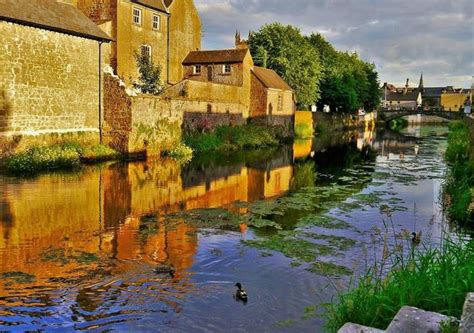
{"x":402,"y":37}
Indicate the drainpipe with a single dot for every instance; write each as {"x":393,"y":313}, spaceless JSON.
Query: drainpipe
{"x":168,"y":50}
{"x":100,"y":93}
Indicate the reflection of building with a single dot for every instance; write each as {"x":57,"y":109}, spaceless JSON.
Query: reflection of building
{"x":108,"y":212}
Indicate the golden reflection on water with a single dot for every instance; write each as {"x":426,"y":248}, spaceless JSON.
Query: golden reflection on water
{"x":98,"y":212}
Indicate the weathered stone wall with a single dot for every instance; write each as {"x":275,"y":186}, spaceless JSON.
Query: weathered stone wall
{"x":48,"y":81}
{"x":334,"y":121}
{"x":142,"y":124}
{"x":258,"y":100}
{"x":216,"y":73}
{"x":185,"y":35}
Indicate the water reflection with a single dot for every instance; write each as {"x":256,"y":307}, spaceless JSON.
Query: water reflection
{"x":78,"y":250}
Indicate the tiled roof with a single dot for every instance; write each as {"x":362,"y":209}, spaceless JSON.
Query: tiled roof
{"x":270,"y":78}
{"x":396,"y":96}
{"x":215,"y":57}
{"x":433,"y":91}
{"x":153,"y":4}
{"x":51,"y":15}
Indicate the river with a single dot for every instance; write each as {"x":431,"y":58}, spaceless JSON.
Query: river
{"x":293,"y":225}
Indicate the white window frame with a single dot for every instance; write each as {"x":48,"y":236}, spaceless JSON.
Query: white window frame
{"x":156,"y":22}
{"x":148,"y":47}
{"x":197,"y":70}
{"x":224,"y":69}
{"x":137,"y":16}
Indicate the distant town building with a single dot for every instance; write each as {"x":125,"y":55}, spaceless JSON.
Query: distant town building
{"x":454,"y":99}
{"x":401,"y":98}
{"x":49,"y":68}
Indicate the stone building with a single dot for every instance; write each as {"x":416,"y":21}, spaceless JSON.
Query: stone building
{"x":165,"y":30}
{"x":49,"y":68}
{"x":273,"y":100}
{"x":401,"y":98}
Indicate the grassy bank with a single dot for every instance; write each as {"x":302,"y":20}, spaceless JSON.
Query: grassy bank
{"x":59,"y":156}
{"x":459,"y":185}
{"x":226,"y":138}
{"x":433,"y":280}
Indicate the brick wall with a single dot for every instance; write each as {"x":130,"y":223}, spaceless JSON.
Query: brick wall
{"x":48,"y":81}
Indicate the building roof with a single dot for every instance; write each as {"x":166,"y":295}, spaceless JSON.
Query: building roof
{"x":51,"y":15}
{"x":397,"y":96}
{"x":168,"y":3}
{"x":215,"y":56}
{"x":433,"y":91}
{"x":153,"y":4}
{"x":270,"y":78}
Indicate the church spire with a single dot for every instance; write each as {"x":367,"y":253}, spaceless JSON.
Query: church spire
{"x":421,"y":87}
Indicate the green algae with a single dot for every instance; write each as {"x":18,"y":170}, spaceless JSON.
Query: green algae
{"x":18,"y":277}
{"x":59,"y":256}
{"x":329,"y":269}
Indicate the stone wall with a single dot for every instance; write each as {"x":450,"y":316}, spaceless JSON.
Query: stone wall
{"x":48,"y":81}
{"x":334,"y":121}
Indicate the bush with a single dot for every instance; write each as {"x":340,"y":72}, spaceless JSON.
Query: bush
{"x":227,"y":138}
{"x":181,"y":153}
{"x":303,"y":131}
{"x":42,"y":159}
{"x":436,"y":280}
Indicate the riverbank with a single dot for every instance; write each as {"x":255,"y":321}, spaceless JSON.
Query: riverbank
{"x":459,"y":185}
{"x":436,"y":280}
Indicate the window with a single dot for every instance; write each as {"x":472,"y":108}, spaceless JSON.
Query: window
{"x":280,"y":102}
{"x":227,"y":69}
{"x":156,"y":22}
{"x":197,"y":69}
{"x":145,"y":51}
{"x":137,"y":16}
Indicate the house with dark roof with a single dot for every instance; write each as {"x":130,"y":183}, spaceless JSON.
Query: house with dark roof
{"x":50,"y":75}
{"x":401,"y":98}
{"x":272,"y":99}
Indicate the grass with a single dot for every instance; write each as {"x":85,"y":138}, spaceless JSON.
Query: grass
{"x":67,"y":155}
{"x":460,"y":180}
{"x":227,"y":138}
{"x":304,"y":131}
{"x":437,"y":279}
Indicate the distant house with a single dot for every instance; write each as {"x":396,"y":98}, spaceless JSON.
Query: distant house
{"x":454,"y":99}
{"x":49,"y":68}
{"x":401,"y":98}
{"x":432,"y":96}
{"x":273,"y":100}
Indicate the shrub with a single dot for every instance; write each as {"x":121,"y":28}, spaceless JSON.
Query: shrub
{"x":181,"y":153}
{"x":42,"y":159}
{"x":303,"y":131}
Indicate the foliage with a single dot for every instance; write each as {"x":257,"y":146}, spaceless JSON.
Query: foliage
{"x":449,"y":326}
{"x":163,"y":135}
{"x":180,"y":152}
{"x":43,"y":158}
{"x":285,"y":50}
{"x":64,"y":155}
{"x":347,"y":83}
{"x":303,"y":131}
{"x":227,"y":138}
{"x":434,"y":279}
{"x":460,"y":179}
{"x":149,"y":80}
{"x":305,"y":175}
{"x":398,"y":124}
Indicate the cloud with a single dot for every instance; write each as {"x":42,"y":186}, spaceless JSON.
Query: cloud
{"x":403,"y":38}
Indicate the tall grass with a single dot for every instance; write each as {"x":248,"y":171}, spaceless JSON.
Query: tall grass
{"x":460,"y":180}
{"x":227,"y":138}
{"x":435,"y":279}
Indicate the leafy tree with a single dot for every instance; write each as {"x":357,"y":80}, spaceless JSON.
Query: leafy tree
{"x":290,"y":55}
{"x":149,"y":81}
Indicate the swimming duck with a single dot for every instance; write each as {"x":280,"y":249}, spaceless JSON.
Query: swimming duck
{"x":241,"y":293}
{"x":165,"y":269}
{"x":416,"y":239}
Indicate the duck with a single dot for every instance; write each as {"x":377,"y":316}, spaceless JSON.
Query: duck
{"x":241,"y":293}
{"x":165,"y":269}
{"x":416,"y":239}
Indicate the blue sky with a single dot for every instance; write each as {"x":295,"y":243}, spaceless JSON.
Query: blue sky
{"x":402,"y":37}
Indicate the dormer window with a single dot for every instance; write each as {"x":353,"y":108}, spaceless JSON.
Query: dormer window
{"x":156,"y":22}
{"x":137,"y":16}
{"x":227,"y":69}
{"x":197,"y":70}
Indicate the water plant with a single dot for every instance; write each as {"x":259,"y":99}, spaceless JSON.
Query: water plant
{"x":304,"y":131}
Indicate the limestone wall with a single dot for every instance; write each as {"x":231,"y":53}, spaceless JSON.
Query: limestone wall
{"x":48,"y":81}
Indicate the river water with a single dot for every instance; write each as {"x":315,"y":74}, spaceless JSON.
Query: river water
{"x":293,"y":225}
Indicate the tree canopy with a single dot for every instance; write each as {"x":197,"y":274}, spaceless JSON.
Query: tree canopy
{"x":318,"y":72}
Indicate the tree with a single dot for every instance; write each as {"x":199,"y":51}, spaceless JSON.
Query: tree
{"x":149,"y":80}
{"x":288,"y":53}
